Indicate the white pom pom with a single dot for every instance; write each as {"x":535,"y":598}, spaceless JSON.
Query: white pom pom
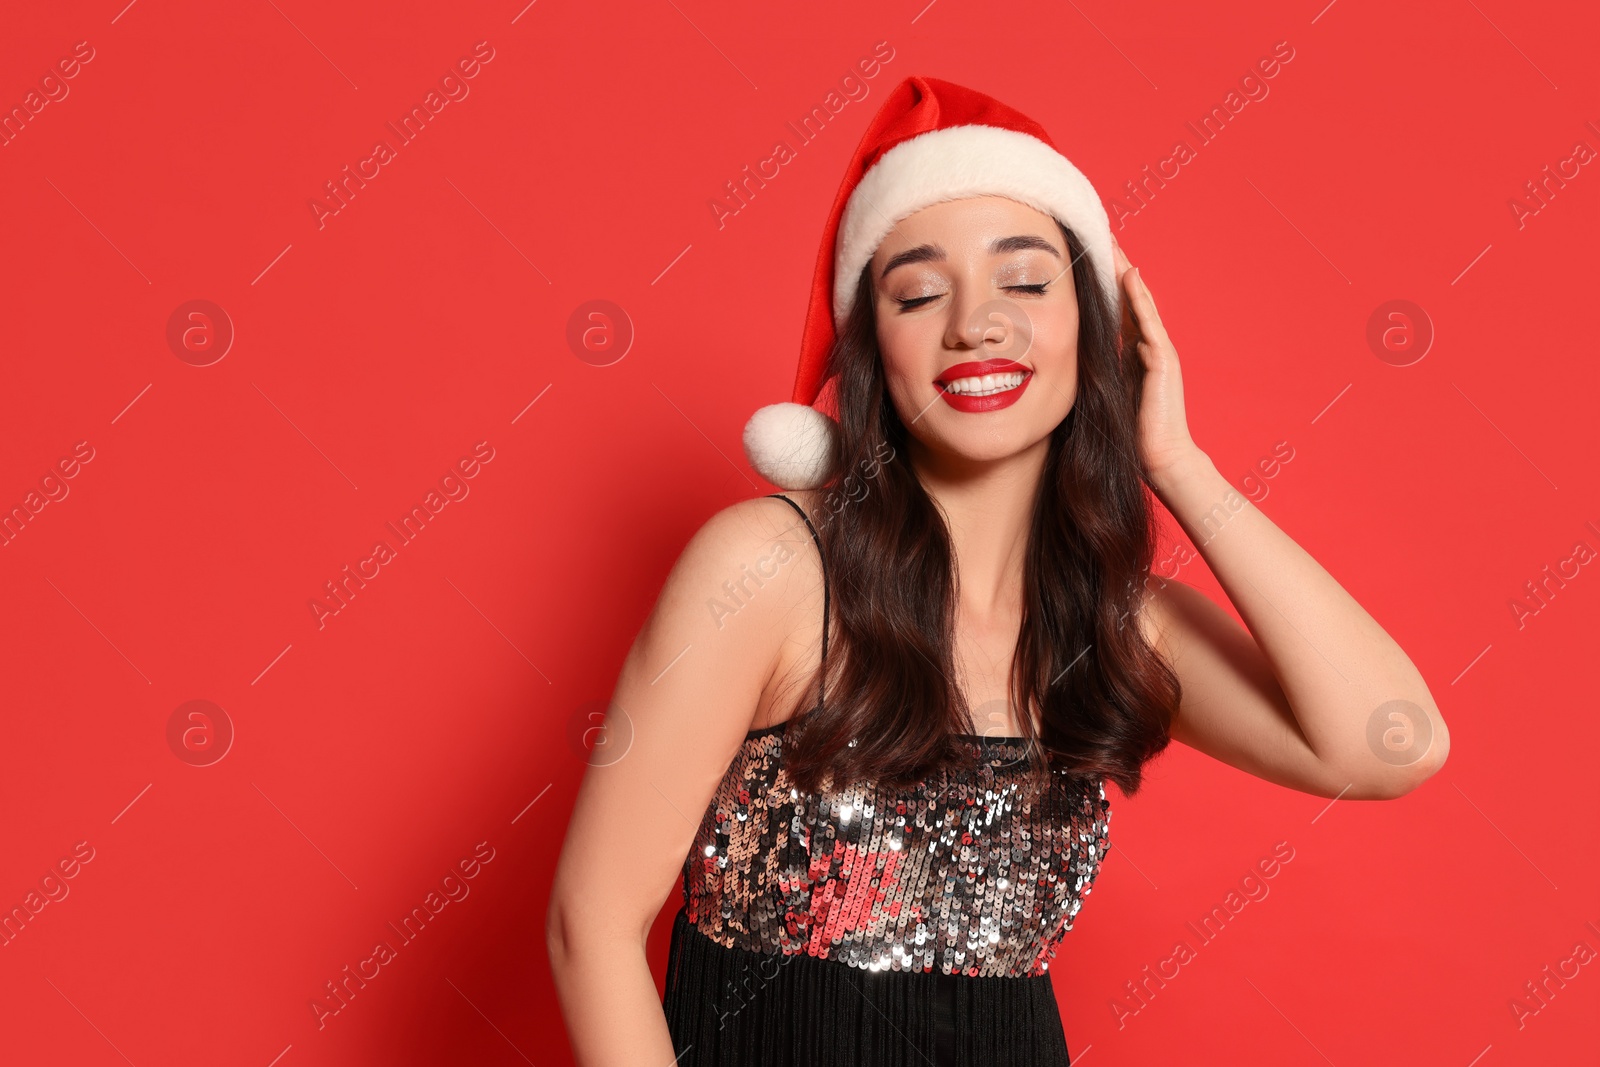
{"x":791,"y":445}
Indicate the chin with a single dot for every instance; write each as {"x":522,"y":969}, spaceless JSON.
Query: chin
{"x":977,"y":449}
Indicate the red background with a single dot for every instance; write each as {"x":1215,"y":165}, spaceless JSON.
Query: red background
{"x":436,"y":710}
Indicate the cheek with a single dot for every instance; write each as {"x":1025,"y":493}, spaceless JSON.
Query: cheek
{"x":1054,"y":355}
{"x":904,"y":350}
{"x":1054,"y":346}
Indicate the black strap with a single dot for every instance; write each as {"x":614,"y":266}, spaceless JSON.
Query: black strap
{"x":821,"y":685}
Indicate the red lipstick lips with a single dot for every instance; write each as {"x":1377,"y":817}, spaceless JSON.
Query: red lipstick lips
{"x":994,"y":401}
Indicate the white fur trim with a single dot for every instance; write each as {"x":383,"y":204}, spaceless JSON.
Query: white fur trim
{"x":960,"y":162}
{"x":791,"y":445}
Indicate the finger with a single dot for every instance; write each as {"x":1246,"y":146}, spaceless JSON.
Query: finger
{"x":1130,"y":321}
{"x":1119,"y":264}
{"x":1119,"y":269}
{"x":1144,"y":309}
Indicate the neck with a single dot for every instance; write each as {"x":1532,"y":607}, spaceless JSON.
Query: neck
{"x":988,"y":505}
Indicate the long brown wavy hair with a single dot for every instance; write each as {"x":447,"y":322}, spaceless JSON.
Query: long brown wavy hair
{"x":1105,"y":696}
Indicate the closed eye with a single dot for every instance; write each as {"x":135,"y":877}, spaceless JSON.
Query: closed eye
{"x":918,"y":301}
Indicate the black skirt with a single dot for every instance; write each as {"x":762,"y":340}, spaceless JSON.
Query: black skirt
{"x":730,"y":1007}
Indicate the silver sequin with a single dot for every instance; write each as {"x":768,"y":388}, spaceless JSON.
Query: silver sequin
{"x":979,"y":873}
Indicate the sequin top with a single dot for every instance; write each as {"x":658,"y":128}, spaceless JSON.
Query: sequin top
{"x":979,"y":872}
{"x":965,"y":874}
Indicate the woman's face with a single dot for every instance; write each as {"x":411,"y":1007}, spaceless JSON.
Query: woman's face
{"x":968,"y":288}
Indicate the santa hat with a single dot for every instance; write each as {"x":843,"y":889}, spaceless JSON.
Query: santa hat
{"x":931,"y":141}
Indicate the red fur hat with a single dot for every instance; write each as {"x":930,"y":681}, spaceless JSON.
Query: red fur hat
{"x":931,"y":141}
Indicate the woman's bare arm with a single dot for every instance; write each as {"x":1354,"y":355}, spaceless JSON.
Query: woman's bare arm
{"x":1314,"y":695}
{"x":1310,"y":693}
{"x":683,"y":702}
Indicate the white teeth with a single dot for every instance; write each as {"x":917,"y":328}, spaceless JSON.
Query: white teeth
{"x":985,"y":385}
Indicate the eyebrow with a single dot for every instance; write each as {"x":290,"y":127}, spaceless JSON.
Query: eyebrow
{"x":999,"y":246}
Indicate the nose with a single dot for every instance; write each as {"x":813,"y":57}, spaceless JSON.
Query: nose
{"x":997,"y":327}
{"x":977,"y":319}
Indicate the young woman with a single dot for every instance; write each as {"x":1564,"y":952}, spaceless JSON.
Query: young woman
{"x":870,"y":720}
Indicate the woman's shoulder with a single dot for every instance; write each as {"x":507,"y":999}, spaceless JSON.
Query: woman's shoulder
{"x":736,"y":530}
{"x":752,"y":576}
{"x":740,"y":549}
